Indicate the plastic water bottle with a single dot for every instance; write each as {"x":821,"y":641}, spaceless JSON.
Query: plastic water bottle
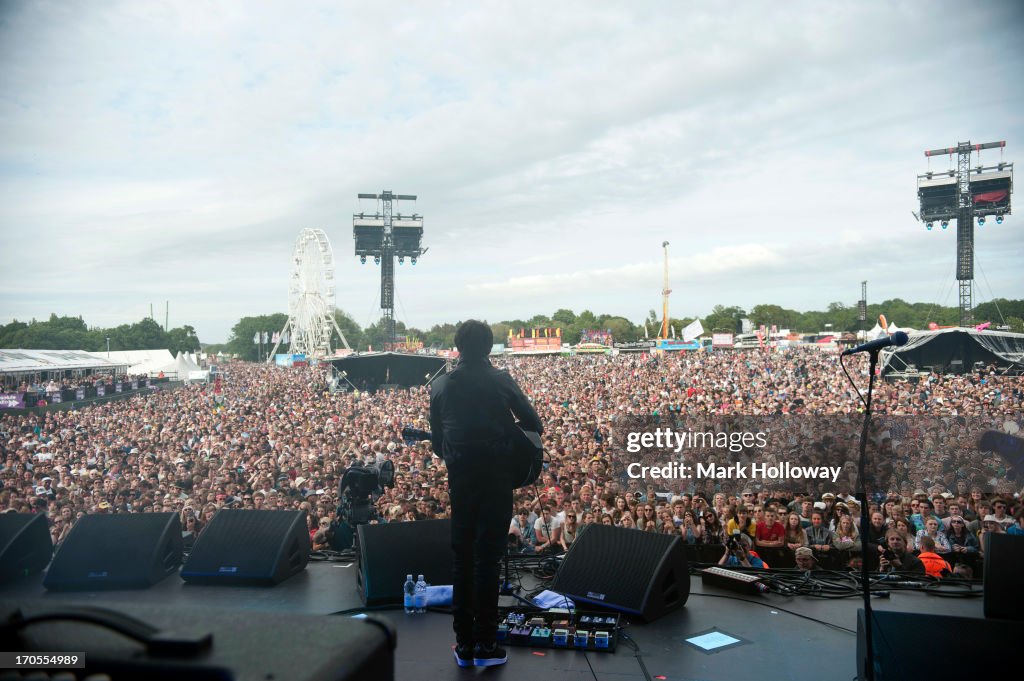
{"x":421,"y":595}
{"x":409,"y":589}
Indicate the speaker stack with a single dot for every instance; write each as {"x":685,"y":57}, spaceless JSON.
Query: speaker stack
{"x":389,"y":552}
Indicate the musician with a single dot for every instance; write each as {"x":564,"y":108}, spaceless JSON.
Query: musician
{"x":470,"y":419}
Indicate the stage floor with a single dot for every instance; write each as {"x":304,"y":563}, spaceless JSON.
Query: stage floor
{"x":780,"y":639}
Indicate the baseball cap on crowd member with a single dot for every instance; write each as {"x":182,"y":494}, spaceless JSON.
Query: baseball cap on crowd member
{"x":819,"y":505}
{"x":990,"y":519}
{"x":804,"y":551}
{"x":828,"y":495}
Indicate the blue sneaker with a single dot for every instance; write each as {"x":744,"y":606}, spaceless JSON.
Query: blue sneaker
{"x":464,"y":655}
{"x":490,"y":655}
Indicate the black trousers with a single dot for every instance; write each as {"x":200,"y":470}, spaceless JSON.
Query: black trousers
{"x":481,"y":503}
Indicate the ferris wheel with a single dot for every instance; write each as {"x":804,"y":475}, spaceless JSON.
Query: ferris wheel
{"x":311,"y":325}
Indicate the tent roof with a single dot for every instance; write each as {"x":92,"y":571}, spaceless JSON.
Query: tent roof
{"x":394,"y":368}
{"x":957,"y":349}
{"x":30,"y":361}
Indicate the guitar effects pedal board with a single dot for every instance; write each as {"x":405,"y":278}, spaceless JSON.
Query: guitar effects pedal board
{"x":591,"y":631}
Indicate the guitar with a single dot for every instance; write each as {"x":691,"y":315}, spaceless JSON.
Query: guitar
{"x":527,"y":460}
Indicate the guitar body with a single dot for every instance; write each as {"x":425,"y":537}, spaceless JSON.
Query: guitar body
{"x":526,"y":461}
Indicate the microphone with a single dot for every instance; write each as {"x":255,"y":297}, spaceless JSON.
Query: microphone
{"x":898,"y":338}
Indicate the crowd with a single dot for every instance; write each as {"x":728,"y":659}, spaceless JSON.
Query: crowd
{"x":277,"y":439}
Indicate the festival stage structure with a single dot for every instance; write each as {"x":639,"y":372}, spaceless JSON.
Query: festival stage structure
{"x":385,"y":236}
{"x":964,"y":194}
{"x":376,"y":370}
{"x":957,"y":351}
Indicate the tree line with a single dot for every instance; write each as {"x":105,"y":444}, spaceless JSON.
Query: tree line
{"x":836,"y":318}
{"x":72,"y":333}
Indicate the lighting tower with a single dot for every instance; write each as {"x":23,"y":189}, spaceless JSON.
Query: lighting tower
{"x":384,"y":237}
{"x":862,"y":305}
{"x":665,"y":291}
{"x":965,"y":194}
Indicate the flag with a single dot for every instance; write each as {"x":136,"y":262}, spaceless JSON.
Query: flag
{"x":672,"y":329}
{"x":276,"y":338}
{"x":647,"y":333}
{"x":558,"y":332}
{"x":256,"y":337}
{"x":692,"y":330}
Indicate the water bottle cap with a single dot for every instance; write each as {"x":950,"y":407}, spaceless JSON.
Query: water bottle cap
{"x":421,"y":578}
{"x":408,"y":576}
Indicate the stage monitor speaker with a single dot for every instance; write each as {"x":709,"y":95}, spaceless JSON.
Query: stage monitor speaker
{"x":1004,"y":590}
{"x":25,"y":545}
{"x":246,"y":547}
{"x":389,"y":552}
{"x":904,"y":645}
{"x":640,"y":573}
{"x":116,"y":551}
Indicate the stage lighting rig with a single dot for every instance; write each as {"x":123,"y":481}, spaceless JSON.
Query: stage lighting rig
{"x":964,"y":194}
{"x":385,"y":236}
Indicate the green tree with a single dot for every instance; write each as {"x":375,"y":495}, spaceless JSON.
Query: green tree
{"x":241,"y":341}
{"x":723,"y":319}
{"x":623,"y":330}
{"x":183,"y":339}
{"x":348,"y":326}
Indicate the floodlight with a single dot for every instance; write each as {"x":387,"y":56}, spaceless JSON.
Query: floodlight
{"x":981,"y":220}
{"x":945,"y":224}
{"x":929,"y":226}
{"x":362,"y":260}
{"x":999,"y":219}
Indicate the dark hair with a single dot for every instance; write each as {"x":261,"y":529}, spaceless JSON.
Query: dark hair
{"x":474,"y":339}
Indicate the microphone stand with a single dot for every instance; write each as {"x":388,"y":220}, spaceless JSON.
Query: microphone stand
{"x":865,"y":522}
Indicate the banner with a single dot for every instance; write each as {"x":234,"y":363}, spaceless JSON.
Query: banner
{"x":722,"y":340}
{"x":135,"y":385}
{"x":638,"y":345}
{"x":54,"y":398}
{"x":692,"y":330}
{"x":117,"y":387}
{"x":676,"y":344}
{"x":12,"y":400}
{"x":101,"y":390}
{"x":80,"y":394}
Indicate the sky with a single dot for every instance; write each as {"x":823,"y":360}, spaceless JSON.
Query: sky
{"x":163,"y":153}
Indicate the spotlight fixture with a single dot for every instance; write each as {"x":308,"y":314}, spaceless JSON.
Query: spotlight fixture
{"x":929,"y":226}
{"x":999,"y":219}
{"x":981,"y":220}
{"x":945,"y":224}
{"x":362,"y":260}
{"x":401,"y":260}
{"x":376,"y":260}
{"x":414,"y":259}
